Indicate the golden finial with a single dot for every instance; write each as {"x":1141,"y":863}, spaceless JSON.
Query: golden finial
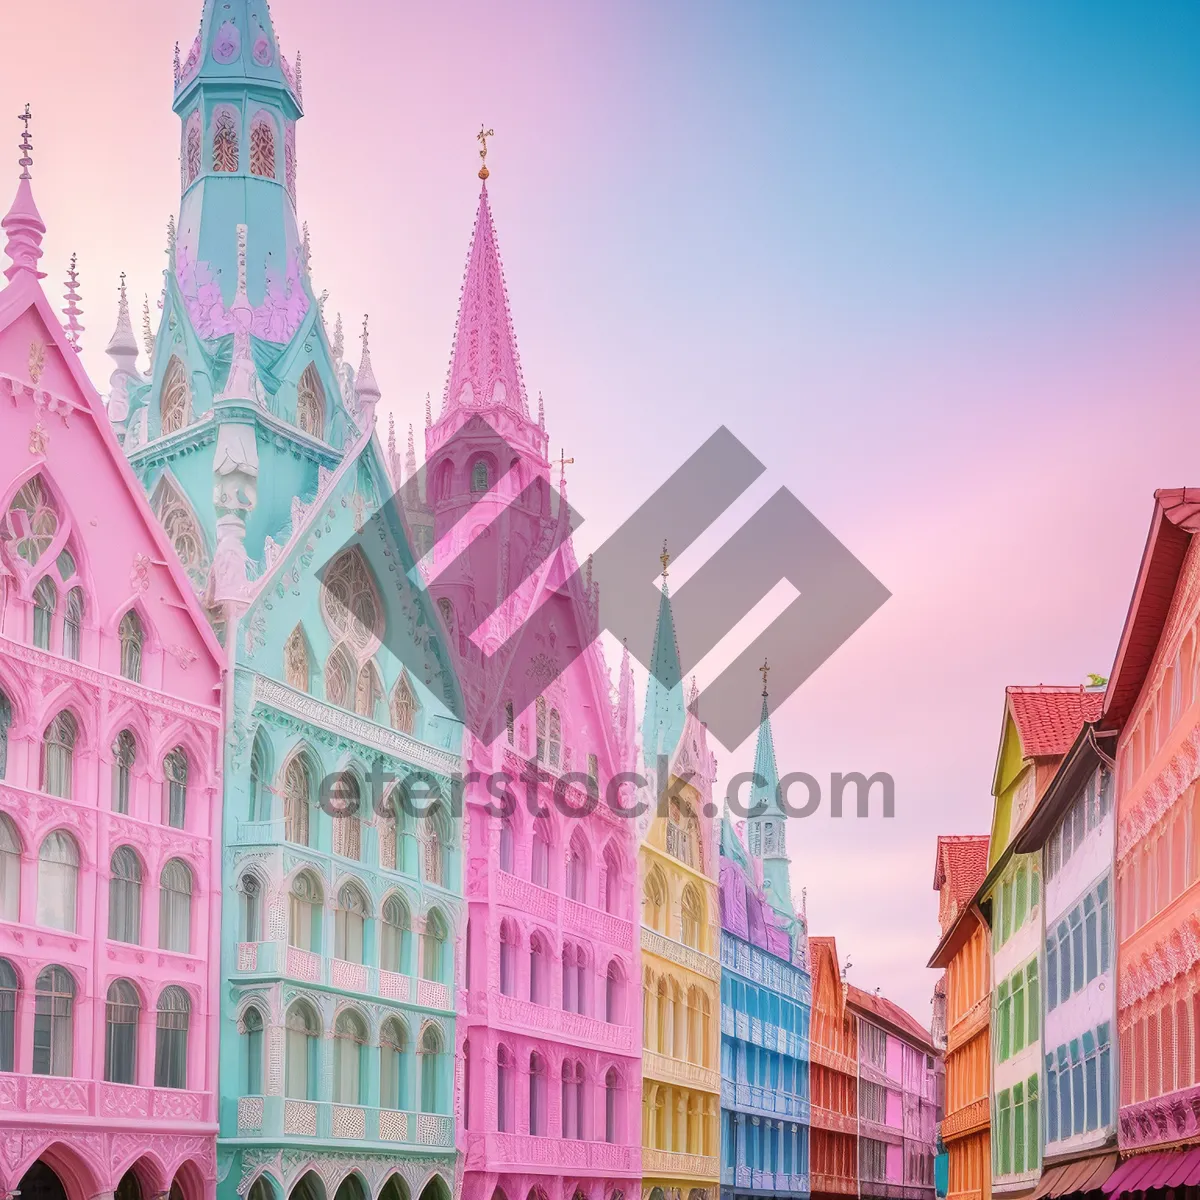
{"x":482,"y":137}
{"x":563,"y":463}
{"x":665,"y":558}
{"x":766,"y":670}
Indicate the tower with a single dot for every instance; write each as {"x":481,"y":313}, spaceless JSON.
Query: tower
{"x":663,"y":719}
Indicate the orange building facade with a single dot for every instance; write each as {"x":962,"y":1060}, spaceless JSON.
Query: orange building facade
{"x":964,"y":954}
{"x":833,"y":1146}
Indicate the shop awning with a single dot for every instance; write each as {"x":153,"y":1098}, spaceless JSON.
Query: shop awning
{"x":1085,"y":1175}
{"x":1165,"y":1169}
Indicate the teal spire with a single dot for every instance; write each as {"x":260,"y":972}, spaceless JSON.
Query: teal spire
{"x":768,"y":829}
{"x":237,"y":45}
{"x":662,"y":724}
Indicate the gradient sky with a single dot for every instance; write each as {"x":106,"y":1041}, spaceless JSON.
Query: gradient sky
{"x":936,"y":264}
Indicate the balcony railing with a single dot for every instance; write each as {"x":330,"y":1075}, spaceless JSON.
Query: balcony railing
{"x":752,"y":1097}
{"x":275,"y":1116}
{"x":700,"y":963}
{"x":514,"y":1151}
{"x":658,"y":1163}
{"x":672,"y":1070}
{"x":835,"y":1122}
{"x":541,"y":1018}
{"x":58,"y":1098}
{"x":768,"y":1182}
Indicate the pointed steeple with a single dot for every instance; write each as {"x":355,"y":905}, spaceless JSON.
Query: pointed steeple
{"x":663,"y":720}
{"x":23,"y":224}
{"x":626,"y":711}
{"x":485,"y":369}
{"x":410,"y":457}
{"x":73,"y":312}
{"x":366,"y":390}
{"x":236,"y":44}
{"x":122,"y":347}
{"x":767,"y":829}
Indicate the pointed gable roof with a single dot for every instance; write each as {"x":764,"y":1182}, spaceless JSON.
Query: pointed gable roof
{"x":883,"y":1011}
{"x":1048,"y":719}
{"x":959,"y":870}
{"x":765,"y":767}
{"x":485,"y":346}
{"x":663,"y":720}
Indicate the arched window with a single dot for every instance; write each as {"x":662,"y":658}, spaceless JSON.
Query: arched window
{"x":393,"y":1065}
{"x":260,"y":800}
{"x":537,"y":1095}
{"x":262,"y":146}
{"x":171,"y":1043}
{"x":73,"y":624}
{"x":505,"y":1115}
{"x":555,"y":742}
{"x":574,"y":978}
{"x":191,"y":149}
{"x":124,"y":751}
{"x":350,"y":602}
{"x":350,"y":924}
{"x":432,"y":1088}
{"x":394,"y":936}
{"x":8,"y":1015}
{"x":129,"y":633}
{"x":479,"y":476}
{"x":10,"y":870}
{"x":250,"y":892}
{"x":297,"y":801}
{"x":310,"y":402}
{"x":175,"y":780}
{"x":120,"y":1032}
{"x":539,"y":709}
{"x":58,"y":756}
{"x":175,"y":515}
{"x":58,"y":874}
{"x":404,"y":705}
{"x":53,"y":1022}
{"x":610,"y":1105}
{"x":654,"y":907}
{"x":572,"y":1099}
{"x":576,"y":873}
{"x":614,"y":994}
{"x":432,"y":845}
{"x":539,"y":983}
{"x":252,"y":1026}
{"x":300,"y":1068}
{"x":345,"y":801}
{"x":125,"y":897}
{"x":5,"y":725}
{"x":691,"y":917}
{"x":433,"y":946}
{"x":175,"y":400}
{"x":368,"y":692}
{"x":295,"y":660}
{"x":539,"y":863}
{"x":349,"y":1042}
{"x":175,"y":908}
{"x":506,"y":845}
{"x":32,"y":520}
{"x":612,"y":881}
{"x":225,"y":142}
{"x":508,"y":959}
{"x":339,"y":676}
{"x":305,"y":905}
{"x":45,"y":600}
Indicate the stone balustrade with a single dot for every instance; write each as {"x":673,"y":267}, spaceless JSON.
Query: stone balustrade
{"x":686,"y":1074}
{"x":780,"y":1182}
{"x":56,"y":1096}
{"x":835,"y":1122}
{"x":597,"y":925}
{"x":273,"y":1116}
{"x":517,"y":1151}
{"x":660,"y":1163}
{"x":526,"y":1016}
{"x":692,"y":960}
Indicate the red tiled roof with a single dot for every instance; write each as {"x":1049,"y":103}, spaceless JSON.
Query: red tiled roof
{"x":1048,"y":719}
{"x":883,"y":1008}
{"x":963,"y":860}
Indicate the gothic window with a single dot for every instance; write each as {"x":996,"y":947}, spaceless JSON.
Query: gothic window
{"x":171,"y":1041}
{"x":175,"y":403}
{"x":302,"y":1031}
{"x":125,"y":897}
{"x":539,"y":983}
{"x":610,"y":1105}
{"x":175,"y":907}
{"x":432,"y":845}
{"x":369,"y":690}
{"x":129,"y":634}
{"x":539,"y":863}
{"x":691,"y":917}
{"x":614,"y":993}
{"x":305,"y":905}
{"x":431,"y":1052}
{"x":252,"y":1024}
{"x":576,"y":872}
{"x":537,"y":1095}
{"x":120,"y":1032}
{"x":350,"y":602}
{"x":225,"y":142}
{"x":10,"y":870}
{"x":612,"y":880}
{"x":393,"y":1054}
{"x":310,"y":402}
{"x":446,"y":608}
{"x":53,"y":1022}
{"x":539,"y":708}
{"x":5,"y":725}
{"x":346,"y":799}
{"x":555,"y":743}
{"x":350,"y":924}
{"x":349,"y":1043}
{"x":192,"y":149}
{"x":295,"y":660}
{"x":45,"y":600}
{"x":297,"y":801}
{"x":58,"y":876}
{"x":404,"y":705}
{"x":73,"y":624}
{"x":572,"y":1099}
{"x":505,"y":1079}
{"x":177,"y":518}
{"x":433,"y":947}
{"x":58,"y":756}
{"x":654,"y":909}
{"x":508,"y":959}
{"x":260,"y":800}
{"x":262,"y":146}
{"x":250,"y":895}
{"x":394,"y":936}
{"x":175,"y":782}
{"x":506,"y":845}
{"x":338,"y":678}
{"x":479,"y":476}
{"x":32,"y":520}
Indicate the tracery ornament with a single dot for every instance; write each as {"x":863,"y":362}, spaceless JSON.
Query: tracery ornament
{"x":296,"y":672}
{"x":368,"y":691}
{"x":289,"y":158}
{"x":297,"y":799}
{"x":177,"y":518}
{"x":338,"y":678}
{"x":310,"y":402}
{"x":32,"y":520}
{"x":175,"y":402}
{"x":350,"y":602}
{"x":404,"y":705}
{"x":262,"y":147}
{"x":225,"y":142}
{"x":192,"y":149}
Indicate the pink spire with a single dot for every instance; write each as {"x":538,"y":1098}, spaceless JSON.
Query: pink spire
{"x":485,"y":368}
{"x":73,"y":312}
{"x":23,"y":224}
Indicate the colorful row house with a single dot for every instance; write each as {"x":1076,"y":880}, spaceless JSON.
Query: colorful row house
{"x":766,"y":1001}
{"x":833,"y":1051}
{"x":111,"y":693}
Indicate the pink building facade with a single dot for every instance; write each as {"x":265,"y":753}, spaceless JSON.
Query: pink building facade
{"x":110,"y":711}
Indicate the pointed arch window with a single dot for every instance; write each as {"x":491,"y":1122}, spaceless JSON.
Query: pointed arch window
{"x":433,"y":947}
{"x":691,"y":917}
{"x":125,"y":897}
{"x":310,"y":402}
{"x":262,"y":146}
{"x":131,"y":637}
{"x":350,"y":602}
{"x":175,"y":400}
{"x":614,"y":994}
{"x":505,"y":1114}
{"x":537,"y":1095}
{"x":539,"y":708}
{"x":192,"y":152}
{"x":45,"y":601}
{"x":250,"y":892}
{"x":338,"y":678}
{"x":8,"y":1015}
{"x":610,"y":1105}
{"x":58,"y":876}
{"x":297,"y":801}
{"x":432,"y":1053}
{"x":171,"y":1042}
{"x":433,"y":845}
{"x":122,"y":1010}
{"x":554,"y":746}
{"x":252,"y":1026}
{"x":612,"y":881}
{"x":58,"y":756}
{"x":177,"y":518}
{"x":260,"y":799}
{"x":394,"y":936}
{"x":10,"y":870}
{"x":539,"y":864}
{"x":507,"y":848}
{"x":349,"y":1043}
{"x":295,"y":660}
{"x":5,"y":725}
{"x":368,"y":692}
{"x":404,"y":705}
{"x":345,"y":805}
{"x":508,"y":959}
{"x":350,"y":925}
{"x":32,"y":520}
{"x":539,"y":990}
{"x":175,"y":784}
{"x":572,"y":1099}
{"x":73,"y":624}
{"x":54,"y":1022}
{"x":393,"y":1065}
{"x":305,"y":906}
{"x":654,"y":910}
{"x":479,"y":476}
{"x":175,"y":908}
{"x":576,"y":872}
{"x":225,"y":142}
{"x":301,"y":1040}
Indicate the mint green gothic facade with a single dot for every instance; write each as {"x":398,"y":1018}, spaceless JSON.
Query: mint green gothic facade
{"x":256,"y":443}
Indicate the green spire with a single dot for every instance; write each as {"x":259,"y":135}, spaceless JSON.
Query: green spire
{"x":662,"y":724}
{"x":767,"y":830}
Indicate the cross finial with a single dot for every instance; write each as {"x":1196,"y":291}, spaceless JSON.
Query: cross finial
{"x":481,"y":137}
{"x":563,"y":462}
{"x":765,"y":669}
{"x":26,"y":147}
{"x":665,"y":558}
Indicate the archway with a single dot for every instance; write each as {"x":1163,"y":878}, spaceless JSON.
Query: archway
{"x":394,"y":1189}
{"x":435,"y":1189}
{"x":308,"y":1187}
{"x":40,"y":1182}
{"x":130,"y":1187}
{"x":350,"y":1188}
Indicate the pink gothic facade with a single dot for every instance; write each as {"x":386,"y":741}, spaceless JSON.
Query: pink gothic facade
{"x":549,"y":1009}
{"x":110,"y":695}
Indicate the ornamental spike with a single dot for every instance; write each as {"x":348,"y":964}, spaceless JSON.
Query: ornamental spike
{"x":339,"y":340}
{"x":147,"y":331}
{"x":23,"y":224}
{"x":73,"y":312}
{"x":428,"y":412}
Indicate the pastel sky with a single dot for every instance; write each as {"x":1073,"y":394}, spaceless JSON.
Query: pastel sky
{"x":936,"y":264}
